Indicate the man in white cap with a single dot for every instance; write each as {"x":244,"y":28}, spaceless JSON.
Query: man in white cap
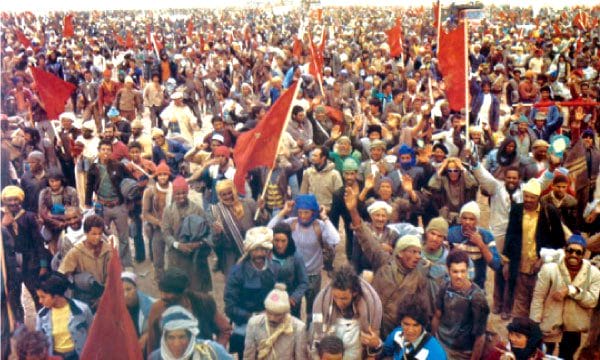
{"x":397,"y":275}
{"x":180,"y":119}
{"x":276,"y":334}
{"x":476,"y":241}
{"x":249,"y":282}
{"x":129,"y":101}
{"x":531,"y":227}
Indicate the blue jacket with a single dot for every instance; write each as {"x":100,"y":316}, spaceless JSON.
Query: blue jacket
{"x":432,"y":348}
{"x":176,"y":149}
{"x":456,"y":237}
{"x":79,"y":324}
{"x":554,"y":121}
{"x":145,"y":303}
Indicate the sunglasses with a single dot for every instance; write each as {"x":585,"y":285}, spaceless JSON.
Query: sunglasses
{"x":577,"y":252}
{"x":453,"y":170}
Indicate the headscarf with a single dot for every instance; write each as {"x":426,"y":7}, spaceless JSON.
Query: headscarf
{"x":405,"y":149}
{"x":502,"y":157}
{"x":531,"y":330}
{"x":178,"y":318}
{"x":13,"y":191}
{"x":238,"y":207}
{"x":307,"y":202}
{"x":258,"y":237}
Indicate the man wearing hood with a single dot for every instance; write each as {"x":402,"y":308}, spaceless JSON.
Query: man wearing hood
{"x":321,"y":179}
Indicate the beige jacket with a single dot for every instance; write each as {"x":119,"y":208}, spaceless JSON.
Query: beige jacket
{"x":81,"y":259}
{"x":573,"y":313}
{"x":289,"y":347}
{"x":321,"y":183}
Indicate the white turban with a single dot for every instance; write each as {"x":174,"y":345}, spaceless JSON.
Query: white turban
{"x":258,"y":237}
{"x":379,"y":205}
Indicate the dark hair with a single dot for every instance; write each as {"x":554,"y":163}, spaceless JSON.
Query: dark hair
{"x":410,"y":307}
{"x":324,"y":151}
{"x":34,"y":133}
{"x":54,"y":283}
{"x":296,"y":110}
{"x":135,"y":144}
{"x":286,"y":229}
{"x":457,"y":257}
{"x":374,"y":128}
{"x":105,"y":142}
{"x":330,"y":344}
{"x":396,"y":92}
{"x":31,"y":343}
{"x":216,"y":118}
{"x":56,"y":174}
{"x":345,"y":278}
{"x":93,"y":221}
{"x":174,"y":281}
{"x":513,"y":168}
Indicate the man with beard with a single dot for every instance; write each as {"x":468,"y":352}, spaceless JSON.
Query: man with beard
{"x":122,"y":127}
{"x":249,"y":282}
{"x":563,"y":201}
{"x":170,"y":151}
{"x":376,"y":163}
{"x":31,"y":257}
{"x":137,"y":128}
{"x":104,"y":180}
{"x":120,"y":150}
{"x":216,"y":169}
{"x":522,"y":134}
{"x":461,"y":311}
{"x":539,"y":163}
{"x":531,"y":227}
{"x":342,"y":151}
{"x":502,"y":195}
{"x":477,"y":242}
{"x":276,"y":334}
{"x":34,"y":181}
{"x":173,"y":287}
{"x":321,"y":178}
{"x":566,"y":293}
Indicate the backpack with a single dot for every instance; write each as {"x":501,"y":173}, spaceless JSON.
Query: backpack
{"x":328,"y":251}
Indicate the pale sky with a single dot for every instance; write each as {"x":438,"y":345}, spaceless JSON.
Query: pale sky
{"x":75,"y":5}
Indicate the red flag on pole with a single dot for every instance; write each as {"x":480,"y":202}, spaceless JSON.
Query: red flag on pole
{"x":451,"y":58}
{"x":394,"y":39}
{"x":258,"y":147}
{"x":190,"y":28}
{"x":582,"y":21}
{"x":315,"y":67}
{"x":53,"y":91}
{"x":129,"y":41}
{"x":112,"y":334}
{"x":436,"y":14}
{"x":68,"y":26}
{"x":297,"y":49}
{"x":22,"y":38}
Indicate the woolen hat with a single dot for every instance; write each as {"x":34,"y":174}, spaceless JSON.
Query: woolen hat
{"x":471,"y":207}
{"x":438,"y":224}
{"x":533,"y":187}
{"x":407,"y":241}
{"x":180,"y":184}
{"x":278,"y":301}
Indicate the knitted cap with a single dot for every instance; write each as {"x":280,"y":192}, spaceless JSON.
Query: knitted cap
{"x":163,"y":168}
{"x":350,"y":165}
{"x":180,"y":184}
{"x":407,"y":241}
{"x":533,"y":187}
{"x":471,"y":207}
{"x":278,"y":301}
{"x":438,"y":224}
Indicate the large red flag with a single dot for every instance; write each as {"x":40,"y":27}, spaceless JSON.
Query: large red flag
{"x":112,"y":335}
{"x":68,"y":30}
{"x":258,"y":147}
{"x":394,"y":39}
{"x":129,"y":41}
{"x":436,"y":14}
{"x":451,"y":59}
{"x":582,"y":21}
{"x":22,"y":38}
{"x":297,"y":49}
{"x":53,"y":91}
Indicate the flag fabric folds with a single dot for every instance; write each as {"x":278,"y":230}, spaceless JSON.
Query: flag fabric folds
{"x":68,"y":30}
{"x":258,"y":147}
{"x":451,"y":57}
{"x":112,"y":334}
{"x":53,"y":91}
{"x":22,"y":38}
{"x":394,"y":39}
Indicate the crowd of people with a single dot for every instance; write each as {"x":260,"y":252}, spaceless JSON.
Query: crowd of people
{"x":375,"y":160}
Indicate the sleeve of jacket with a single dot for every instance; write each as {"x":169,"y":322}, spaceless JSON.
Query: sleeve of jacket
{"x":301,"y":343}
{"x":485,"y":179}
{"x":305,"y":179}
{"x":250,"y":346}
{"x":232,"y":295}
{"x":370,"y":247}
{"x":168,"y":231}
{"x":330,"y":234}
{"x":555,"y":120}
{"x":511,"y":232}
{"x":540,"y":292}
{"x":588,"y":298}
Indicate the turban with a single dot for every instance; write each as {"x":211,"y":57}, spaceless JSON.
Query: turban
{"x":13,"y":191}
{"x":533,"y":187}
{"x":307,"y":202}
{"x":162,"y":168}
{"x":178,"y":318}
{"x":157,"y":132}
{"x":258,"y":237}
{"x":379,"y":205}
{"x":577,"y":240}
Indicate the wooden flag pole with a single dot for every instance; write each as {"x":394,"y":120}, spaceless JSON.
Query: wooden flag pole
{"x":285,"y":124}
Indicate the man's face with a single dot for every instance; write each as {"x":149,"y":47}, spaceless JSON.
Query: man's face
{"x":135,"y":154}
{"x":560,"y":190}
{"x":226,"y":196}
{"x":379,"y":219}
{"x":274,"y":319}
{"x":73,"y":219}
{"x":453,"y":172}
{"x":349,"y":177}
{"x":280,"y":243}
{"x":406,"y":158}
{"x":34,"y":164}
{"x":130,"y":292}
{"x":343,"y":148}
{"x":159,"y":140}
{"x":511,"y":180}
{"x":588,"y":142}
{"x":55,"y":184}
{"x":300,"y":116}
{"x":222,"y":160}
{"x":342,"y":298}
{"x":94,"y":236}
{"x":459,"y":276}
{"x":108,"y":134}
{"x":574,"y":255}
{"x":376,"y":153}
{"x":218,"y":125}
{"x":66,"y":124}
{"x":433,"y":241}
{"x":170,"y":298}
{"x":316,"y":157}
{"x":46,"y":300}
{"x":105,"y":152}
{"x":540,"y":153}
{"x":468,"y":221}
{"x":177,"y":341}
{"x":411,"y":328}
{"x":180,"y":197}
{"x":410,"y":257}
{"x":259,"y":257}
{"x":530,"y":201}
{"x":522,"y":128}
{"x":385,"y":191}
{"x":136,"y":131}
{"x":304,"y":215}
{"x":539,"y":123}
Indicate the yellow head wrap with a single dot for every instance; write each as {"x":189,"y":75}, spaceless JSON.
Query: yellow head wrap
{"x":13,"y":191}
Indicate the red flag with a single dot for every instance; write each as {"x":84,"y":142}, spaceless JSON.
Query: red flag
{"x":258,"y":147}
{"x":22,"y":38}
{"x":120,"y":40}
{"x":394,"y":39}
{"x":68,"y":26}
{"x":436,"y":14}
{"x":582,"y":21}
{"x":190,"y":28}
{"x":53,"y":91}
{"x":315,"y":67}
{"x":129,"y":42}
{"x":297,"y":49}
{"x":556,"y":28}
{"x":112,"y":334}
{"x":451,"y":57}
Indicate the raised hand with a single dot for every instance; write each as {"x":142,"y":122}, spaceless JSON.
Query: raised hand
{"x":350,"y":198}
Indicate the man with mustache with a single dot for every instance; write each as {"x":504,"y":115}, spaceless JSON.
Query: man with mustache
{"x":566,"y":293}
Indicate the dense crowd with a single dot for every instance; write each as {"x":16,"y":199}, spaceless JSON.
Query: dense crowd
{"x":374,"y":159}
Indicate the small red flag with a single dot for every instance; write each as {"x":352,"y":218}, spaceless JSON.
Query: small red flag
{"x":129,"y":41}
{"x":452,"y":55}
{"x":190,"y":28}
{"x":120,"y":40}
{"x":258,"y":147}
{"x":436,"y":14}
{"x":22,"y":38}
{"x":53,"y":91}
{"x":68,"y":30}
{"x":297,"y":49}
{"x":112,"y":334}
{"x":394,"y":40}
